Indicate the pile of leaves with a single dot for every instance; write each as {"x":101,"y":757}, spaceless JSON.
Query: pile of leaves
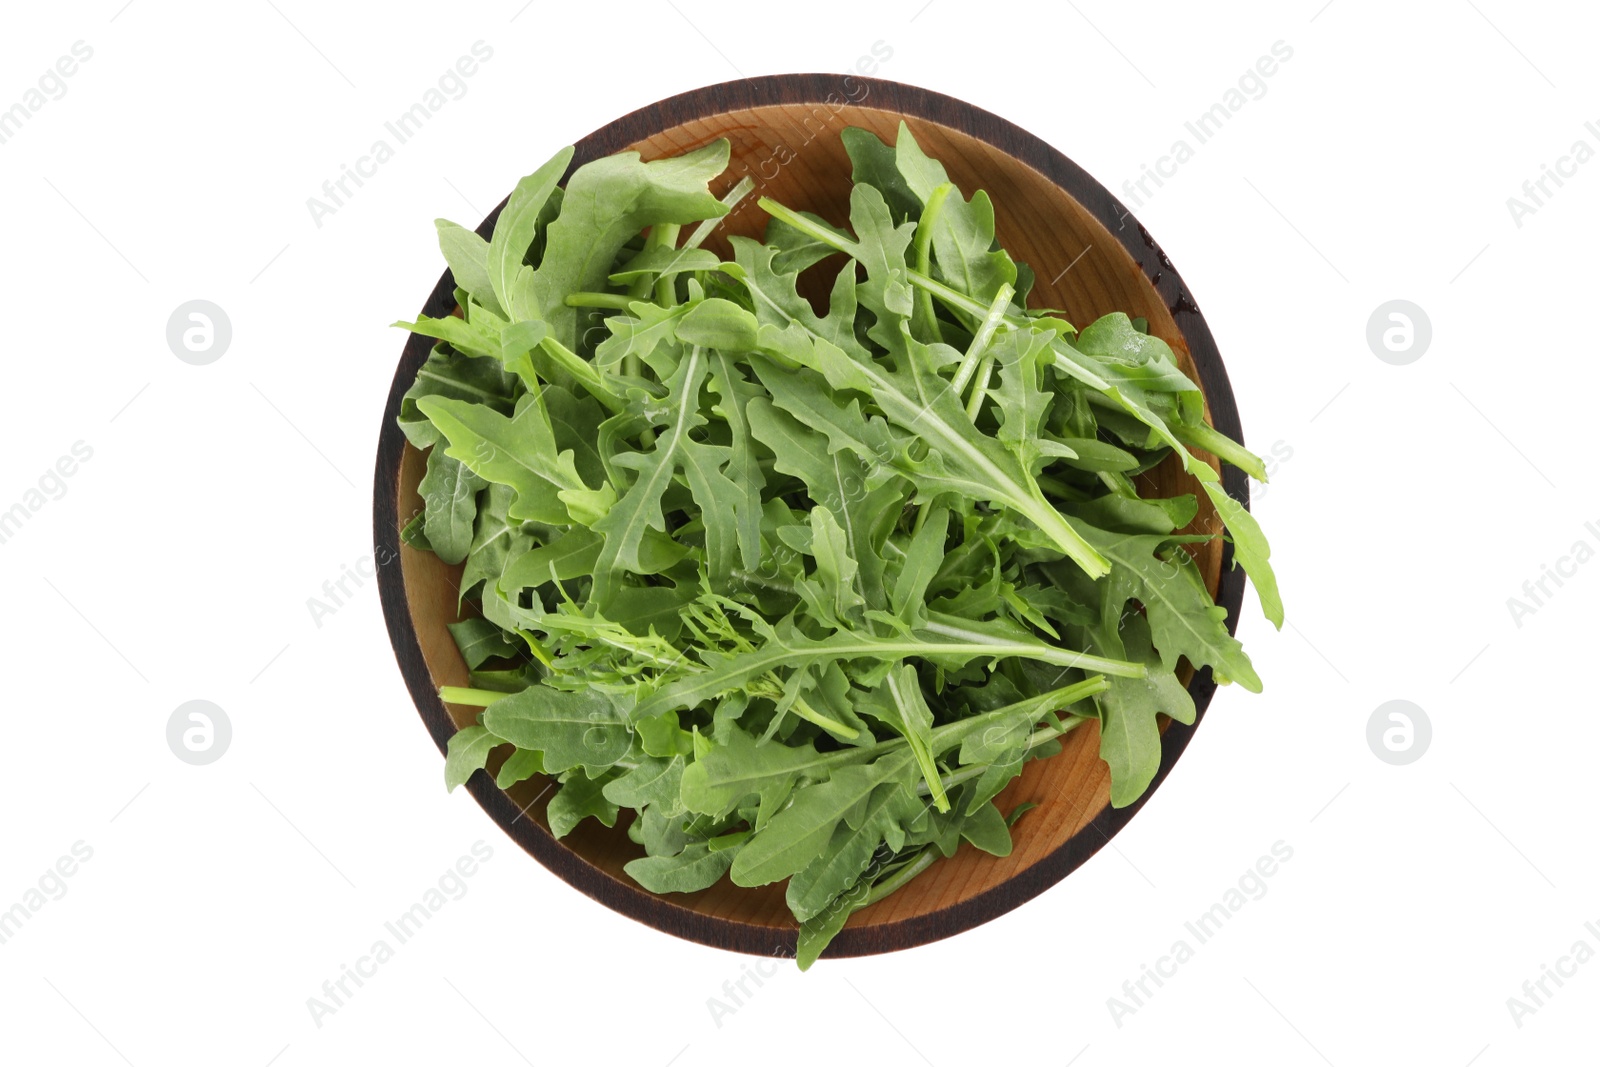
{"x":803,"y":590}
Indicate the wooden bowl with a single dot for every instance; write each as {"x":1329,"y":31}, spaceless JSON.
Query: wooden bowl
{"x":1091,"y":257}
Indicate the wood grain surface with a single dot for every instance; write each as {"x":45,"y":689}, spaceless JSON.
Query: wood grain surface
{"x":1091,"y":257}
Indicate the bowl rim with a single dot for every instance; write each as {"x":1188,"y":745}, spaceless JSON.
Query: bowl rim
{"x":661,"y":912}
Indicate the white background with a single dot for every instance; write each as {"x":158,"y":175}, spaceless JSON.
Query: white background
{"x":220,"y":498}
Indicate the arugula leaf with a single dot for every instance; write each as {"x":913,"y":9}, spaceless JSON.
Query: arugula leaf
{"x":580,"y":797}
{"x":691,"y":870}
{"x":1183,"y":621}
{"x":801,"y":832}
{"x":514,"y":233}
{"x":607,"y":202}
{"x":450,"y":497}
{"x":1130,"y":733}
{"x":519,"y":452}
{"x":521,"y":765}
{"x":584,"y":728}
{"x":740,"y":766}
{"x":467,"y":753}
{"x":880,"y":821}
{"x":650,"y":781}
{"x":640,"y":508}
{"x":468,"y":257}
{"x":480,"y":640}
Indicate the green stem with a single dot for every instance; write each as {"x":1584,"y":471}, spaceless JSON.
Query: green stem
{"x":639,"y":288}
{"x":665,"y":235}
{"x":809,"y":228}
{"x":1208,"y":439}
{"x":477,"y":698}
{"x":900,"y":878}
{"x":731,"y":200}
{"x":968,"y":642}
{"x":981,"y":339}
{"x":1038,"y":737}
{"x":1060,"y":489}
{"x":924,"y":758}
{"x":980,"y":387}
{"x":953,"y":733}
{"x":923,"y":249}
{"x":810,"y":714}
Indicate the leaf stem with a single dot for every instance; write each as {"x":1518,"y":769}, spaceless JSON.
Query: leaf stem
{"x":1206,"y":438}
{"x":900,"y":878}
{"x":818,"y":233}
{"x":811,"y":714}
{"x":980,"y":387}
{"x":980,"y":339}
{"x":477,"y":698}
{"x":923,"y":251}
{"x":665,"y":235}
{"x":731,"y":200}
{"x":1037,"y":738}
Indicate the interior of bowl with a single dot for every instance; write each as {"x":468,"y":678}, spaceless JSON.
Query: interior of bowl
{"x":794,"y":154}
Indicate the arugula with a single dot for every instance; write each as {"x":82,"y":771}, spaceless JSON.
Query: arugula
{"x":802,"y":588}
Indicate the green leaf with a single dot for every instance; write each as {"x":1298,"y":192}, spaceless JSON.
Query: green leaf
{"x":1183,"y":620}
{"x":1130,"y":732}
{"x":449,"y":492}
{"x":579,"y":798}
{"x":849,"y":851}
{"x":514,"y":232}
{"x":572,"y":555}
{"x":1250,"y":549}
{"x":466,"y":754}
{"x":717,"y":782}
{"x":494,"y":541}
{"x":744,"y":467}
{"x":518,"y":767}
{"x":650,"y":781}
{"x":1022,"y":356}
{"x":963,"y":235}
{"x":875,"y":163}
{"x":569,"y":729}
{"x":607,"y":202}
{"x":801,"y":832}
{"x":519,"y":452}
{"x":900,"y":704}
{"x":468,"y":257}
{"x":640,"y":508}
{"x":480,"y":640}
{"x":922,"y":560}
{"x":718,"y":323}
{"x":691,"y":870}
{"x":987,"y":829}
{"x":836,"y":568}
